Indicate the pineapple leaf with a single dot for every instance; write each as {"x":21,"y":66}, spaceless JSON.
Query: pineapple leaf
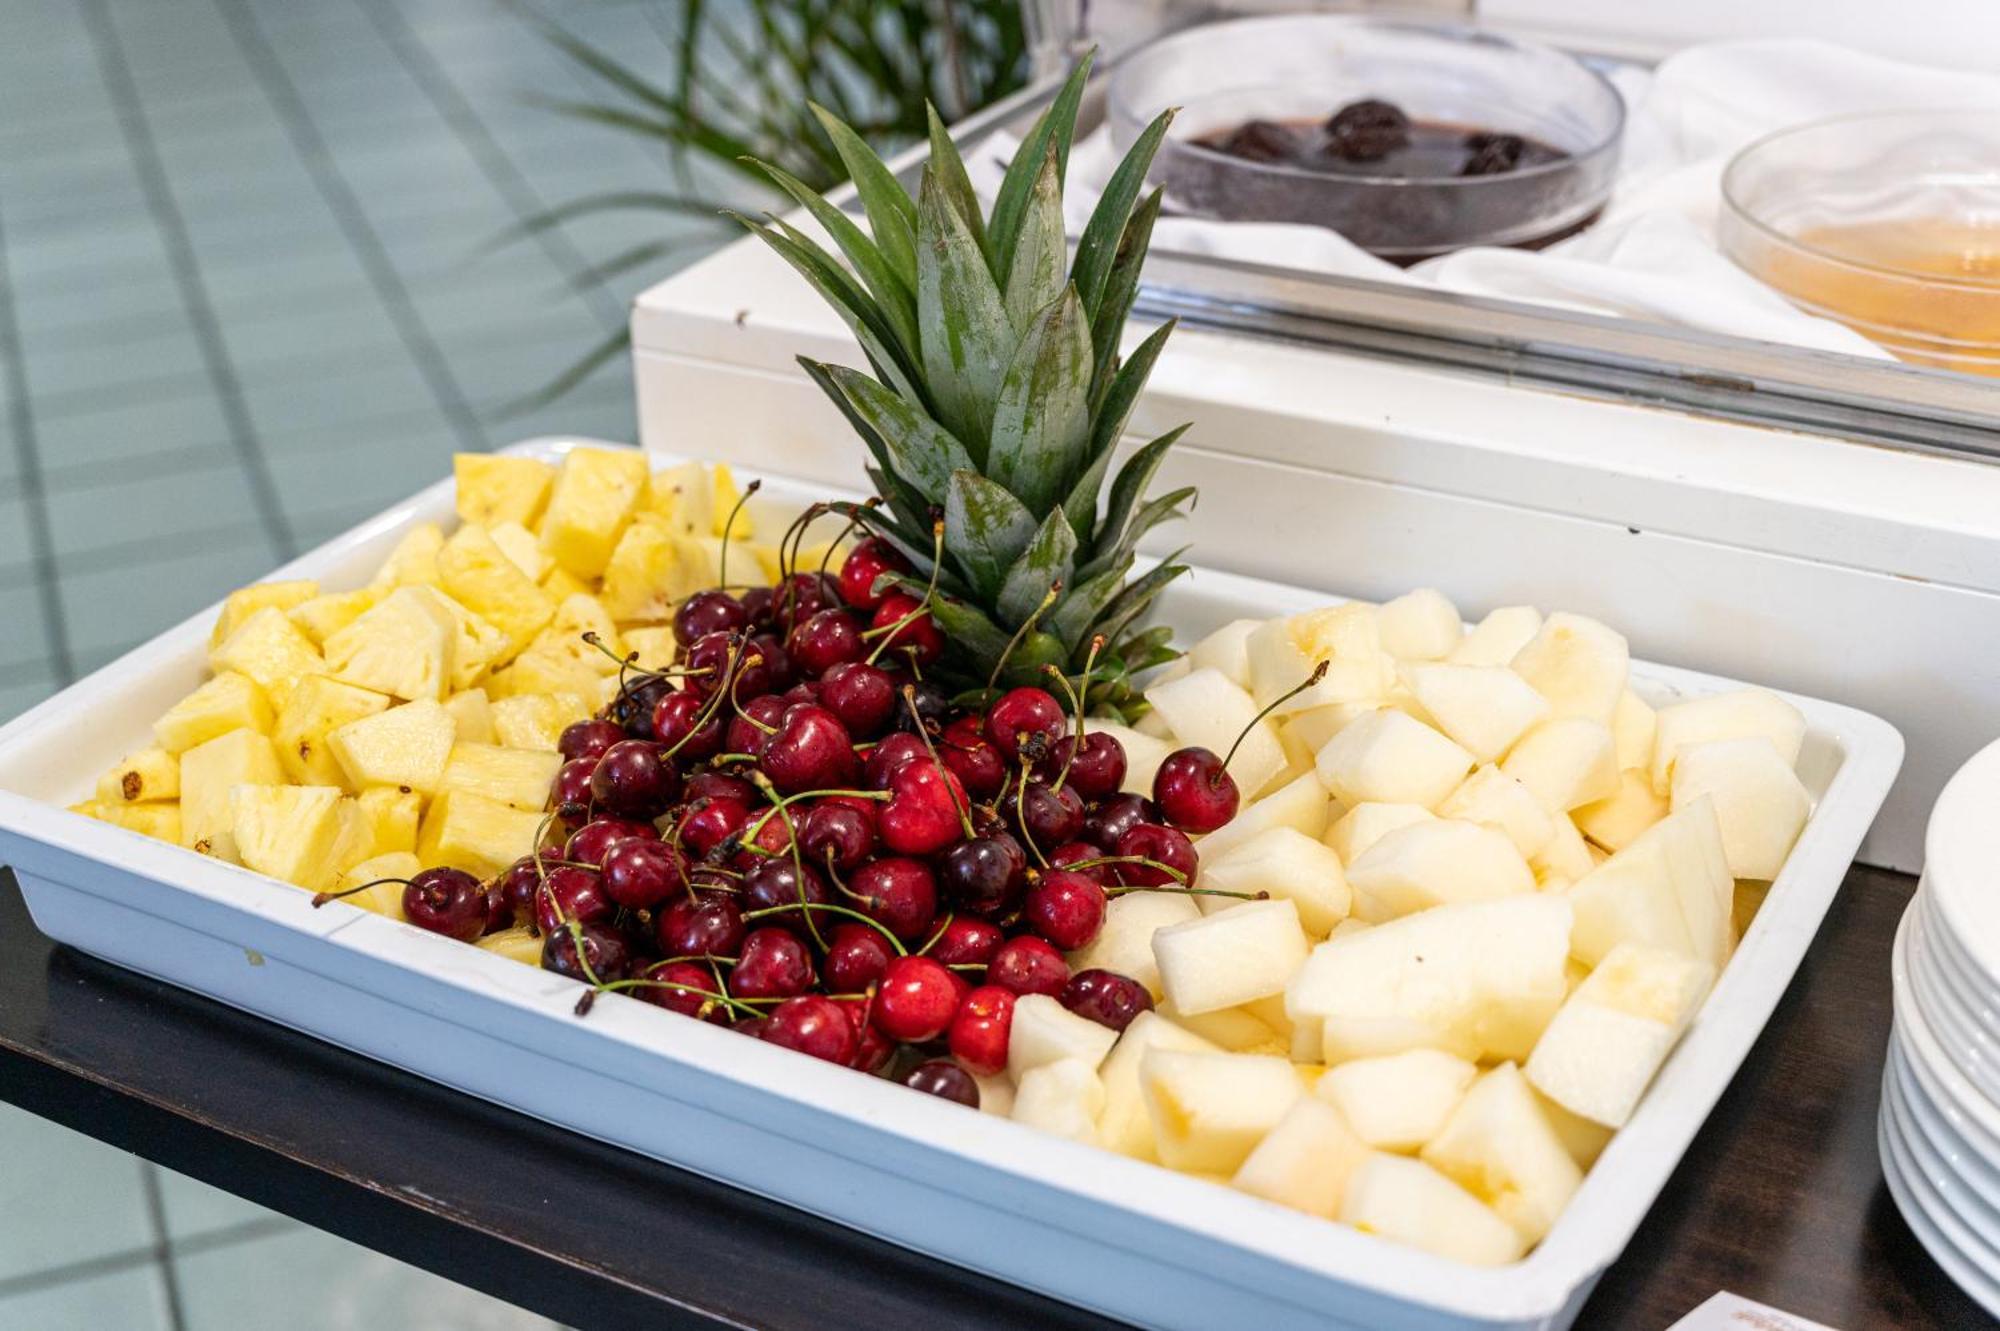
{"x":1041,"y":250}
{"x":893,"y":293}
{"x":905,"y":516}
{"x":967,"y":627}
{"x":1112,"y":414}
{"x":870,"y":327}
{"x":1073,"y":616}
{"x":1049,"y":559}
{"x":920,"y":452}
{"x":966,"y":336}
{"x":1138,"y":597}
{"x":1130,"y":487}
{"x":1150,"y":515}
{"x":1119,"y":293}
{"x":892,"y":213}
{"x":949,"y":168}
{"x":878,"y":447}
{"x":1098,"y":250}
{"x":1042,"y":417}
{"x":1055,"y":129}
{"x":985,"y":528}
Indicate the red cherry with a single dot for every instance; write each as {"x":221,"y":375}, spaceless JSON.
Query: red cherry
{"x":754,"y":724}
{"x":916,"y":1000}
{"x":946,"y":1080}
{"x":587,"y":739}
{"x":924,"y":810}
{"x":828,"y":639}
{"x":447,"y":901}
{"x":780,"y":885}
{"x":810,"y":751}
{"x":710,"y":821}
{"x":919,"y":640}
{"x":767,"y":667}
{"x":1106,"y":997}
{"x":680,"y":724}
{"x":856,"y":956}
{"x":1194,"y":791}
{"x":980,"y":1031}
{"x":710,"y":926}
{"x":569,"y":793}
{"x":872,"y":1048}
{"x":686,"y":988}
{"x":965,"y":941}
{"x":863,"y":696}
{"x":773,"y":964}
{"x":838,"y":834}
{"x":1025,"y":720}
{"x":870,"y":558}
{"x":985,"y":875}
{"x":634,"y":779}
{"x":641,"y":874}
{"x":1111,"y":820}
{"x":966,"y":751}
{"x":901,"y":893}
{"x":1072,"y":853}
{"x":1162,"y":845}
{"x":570,"y":893}
{"x":1095,"y":770}
{"x":802,"y":596}
{"x":1026,"y":964}
{"x":1065,"y":907}
{"x":602,"y":957}
{"x":707,"y":612}
{"x":1049,"y":815}
{"x":813,"y":1024}
{"x":718,"y":785}
{"x":590,"y":843}
{"x":891,"y":756}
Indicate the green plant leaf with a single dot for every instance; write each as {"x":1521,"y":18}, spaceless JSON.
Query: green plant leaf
{"x":892,"y":213}
{"x":876,"y":335}
{"x":896,"y":297}
{"x":962,"y":322}
{"x":1138,"y":597}
{"x":1042,"y":417}
{"x":1119,"y":293}
{"x":1042,"y":253}
{"x":1111,"y":417}
{"x":985,"y":530}
{"x":1150,"y":515}
{"x":1055,"y":129}
{"x":966,"y":626}
{"x":1130,"y":488}
{"x":949,"y":169}
{"x":1098,"y":250}
{"x":919,"y":449}
{"x":1048,"y":560}
{"x":1074,"y":615}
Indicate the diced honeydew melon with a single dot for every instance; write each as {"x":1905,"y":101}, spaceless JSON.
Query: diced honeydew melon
{"x":1230,"y":958}
{"x":1227,"y":649}
{"x":1600,"y":1053}
{"x":1499,"y":1146}
{"x":1155,"y":725}
{"x":209,"y":771}
{"x":1566,"y":856}
{"x":1316,"y":726}
{"x":1578,"y":664}
{"x":1205,"y":709}
{"x":1305,"y":1161}
{"x":1479,"y":979}
{"x":1436,"y":863}
{"x":1143,"y":754}
{"x":1234,"y":1029}
{"x":1407,"y":1201}
{"x":1363,"y":825}
{"x":1498,"y":638}
{"x":996,"y":1095}
{"x":1491,"y":797}
{"x":1744,"y":714}
{"x":1124,"y":945}
{"x":1422,"y":625}
{"x":1209,"y":1111}
{"x":1584,"y":1140}
{"x":1283,"y":654}
{"x":1633,"y":723}
{"x":1300,"y":803}
{"x":1387,"y":757}
{"x":1616,"y":822}
{"x":1271,"y":1011}
{"x":1124,"y":1125}
{"x":1349,"y":927}
{"x":1044,"y":1031}
{"x":1289,"y":866}
{"x":1759,"y":800}
{"x":1063,"y":1098}
{"x":1399,"y":1101}
{"x":1483,"y":708}
{"x":1670,"y":888}
{"x":1565,"y":762}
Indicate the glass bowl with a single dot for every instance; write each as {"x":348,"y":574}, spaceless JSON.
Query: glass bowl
{"x":1888,"y":222}
{"x":1302,"y":68}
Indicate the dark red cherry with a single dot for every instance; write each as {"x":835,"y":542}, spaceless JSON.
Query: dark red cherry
{"x":870,"y":558}
{"x":446,"y":901}
{"x":1161,"y":845}
{"x":985,"y":876}
{"x":915,"y":636}
{"x":1096,"y":769}
{"x":873,"y":1050}
{"x":590,"y":843}
{"x":965,"y":941}
{"x":708,"y":612}
{"x":946,"y":1080}
{"x":587,"y":739}
{"x":570,"y":893}
{"x":916,"y":1000}
{"x":891,"y":756}
{"x":1025,"y":721}
{"x":810,"y":751}
{"x":767,"y":667}
{"x":634,"y":779}
{"x":603,"y":958}
{"x":1194,"y":791}
{"x":569,"y":793}
{"x":1065,"y":907}
{"x":1049,"y":815}
{"x":863,"y":696}
{"x":828,"y":639}
{"x":640,"y":874}
{"x":519,"y":883}
{"x":754,"y":723}
{"x":901,"y":893}
{"x":925,"y":812}
{"x":1026,"y":964}
{"x":773,"y":964}
{"x":965,"y":750}
{"x":718,"y":785}
{"x":684,"y":987}
{"x":780,"y":885}
{"x":856,"y":956}
{"x":1073,"y":853}
{"x":760,"y":604}
{"x":1106,"y":997}
{"x":687,"y":725}
{"x":933,"y":709}
{"x":813,"y":1024}
{"x":633,"y":708}
{"x":1110,"y":821}
{"x":712,"y":660}
{"x":709,"y":926}
{"x":802,"y":596}
{"x":710,"y":821}
{"x":980,"y":1030}
{"x":835,"y":833}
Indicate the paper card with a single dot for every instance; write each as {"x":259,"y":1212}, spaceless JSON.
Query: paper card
{"x":1733,"y":1312}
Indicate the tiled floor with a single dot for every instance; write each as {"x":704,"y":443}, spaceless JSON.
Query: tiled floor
{"x":246,"y":298}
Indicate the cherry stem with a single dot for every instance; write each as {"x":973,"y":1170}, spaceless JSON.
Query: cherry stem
{"x":729,"y":529}
{"x":848,"y":911}
{"x":1021,"y":633}
{"x":944,"y":773}
{"x":1021,"y":815}
{"x":1077,"y":704}
{"x":618,"y":986}
{"x":1318,"y":674}
{"x":799,"y":867}
{"x":889,"y":631}
{"x":321,"y":898}
{"x":787,"y":543}
{"x":1123,"y":888}
{"x":932,"y":941}
{"x":713,"y":704}
{"x":779,"y":802}
{"x":833,"y":545}
{"x":1177,"y":875}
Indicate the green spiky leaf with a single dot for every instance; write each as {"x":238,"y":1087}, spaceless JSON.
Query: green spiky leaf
{"x":1042,"y":416}
{"x":1119,"y":293}
{"x":892,"y":213}
{"x":918,"y":449}
{"x":1130,"y":487}
{"x":863,"y":318}
{"x":1112,"y":415}
{"x":1048,"y":561}
{"x":894,"y":294}
{"x":1097,"y":251}
{"x":1072,"y":618}
{"x":961,"y":320}
{"x":1042,"y":250}
{"x":1053,"y":131}
{"x":949,"y":169}
{"x":974,"y":632}
{"x":985,"y":528}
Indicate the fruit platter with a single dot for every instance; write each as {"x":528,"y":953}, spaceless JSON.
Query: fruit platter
{"x":928,"y":857}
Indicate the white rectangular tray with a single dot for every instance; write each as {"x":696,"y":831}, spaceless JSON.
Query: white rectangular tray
{"x":1129,"y":1239}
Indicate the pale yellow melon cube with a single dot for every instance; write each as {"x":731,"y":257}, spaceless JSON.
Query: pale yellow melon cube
{"x":595,"y":494}
{"x":470,"y":832}
{"x":209,"y":772}
{"x":240,"y":605}
{"x":269,"y":648}
{"x":406,"y":747}
{"x":318,"y":705}
{"x":147,"y":776}
{"x":494,"y":488}
{"x":406,"y":646}
{"x":520,"y":777}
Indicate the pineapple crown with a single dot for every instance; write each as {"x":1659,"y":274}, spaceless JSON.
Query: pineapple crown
{"x":998,"y":397}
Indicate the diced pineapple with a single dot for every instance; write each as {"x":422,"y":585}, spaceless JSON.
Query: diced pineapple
{"x":406,"y":747}
{"x":493,"y":488}
{"x":685,"y":496}
{"x":470,"y":832}
{"x":542,"y":670}
{"x":477,"y":648}
{"x":228,"y":702}
{"x":148,"y":775}
{"x":324,"y":616}
{"x":413,"y":563}
{"x":160,"y":821}
{"x":561,"y":584}
{"x":319,"y":704}
{"x":392,"y":816}
{"x":520,"y":777}
{"x":297,"y":834}
{"x":239,"y":605}
{"x":478,"y":574}
{"x":519,"y":544}
{"x":208,"y":773}
{"x":474,"y":714}
{"x":654,"y":566}
{"x":728,"y":498}
{"x":516,"y":944}
{"x":376,"y":877}
{"x":594,"y":497}
{"x":536,"y":720}
{"x":655,"y":646}
{"x":405,"y":647}
{"x":269,"y":648}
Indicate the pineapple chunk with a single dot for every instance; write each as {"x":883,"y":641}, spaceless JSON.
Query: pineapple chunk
{"x":561,"y":584}
{"x":516,"y":944}
{"x":519,"y":544}
{"x":239,"y":605}
{"x":474,"y":714}
{"x":685,"y":497}
{"x":228,"y":702}
{"x":536,"y":720}
{"x":304,"y":835}
{"x":406,"y":747}
{"x":493,"y":489}
{"x":480,"y":575}
{"x":653,"y":567}
{"x":413,"y":563}
{"x":324,"y":616}
{"x":392,"y":818}
{"x":564,"y":636}
{"x":478,"y":647}
{"x":481,"y":836}
{"x":375,"y":876}
{"x":148,"y":775}
{"x":319,"y":704}
{"x":544,"y":668}
{"x":405,"y":647}
{"x":594,"y":496}
{"x":655,"y":647}
{"x":161,"y":821}
{"x":728,"y":518}
{"x":269,"y":649}
{"x":519,"y":777}
{"x":208,"y":773}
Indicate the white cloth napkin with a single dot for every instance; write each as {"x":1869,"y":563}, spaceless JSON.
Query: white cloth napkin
{"x":1652,"y":256}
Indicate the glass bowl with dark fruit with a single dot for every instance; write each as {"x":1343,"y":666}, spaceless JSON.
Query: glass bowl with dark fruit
{"x":1410,"y":139}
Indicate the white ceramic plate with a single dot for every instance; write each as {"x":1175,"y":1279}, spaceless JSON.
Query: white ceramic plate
{"x":1934,"y":985}
{"x":1934,"y":1227}
{"x":1944,"y":1142}
{"x":1962,"y":864}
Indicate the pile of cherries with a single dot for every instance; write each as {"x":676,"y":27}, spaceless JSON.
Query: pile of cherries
{"x":793,"y":832}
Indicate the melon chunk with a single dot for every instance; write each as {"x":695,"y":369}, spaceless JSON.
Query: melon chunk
{"x":1282,"y":654}
{"x":1422,"y":625}
{"x":1601,"y":1051}
{"x":1300,"y":804}
{"x":1230,"y":958}
{"x":1566,"y":762}
{"x":1387,"y":757}
{"x":1228,"y":650}
{"x":1497,"y":639}
{"x":1408,"y":1201}
{"x":1491,"y":797}
{"x":1205,"y":709}
{"x":1484,"y":708}
{"x":1499,"y":1146}
{"x":1143,"y":753}
{"x":1578,"y":664}
{"x":1566,"y":856}
{"x":1616,"y":821}
{"x":1744,"y":714}
{"x":1063,"y":1098}
{"x":1436,"y":863}
{"x":1760,"y":802}
{"x":1209,"y":1111}
{"x":1305,"y":1161}
{"x":1124,"y":945}
{"x":1365,"y":824}
{"x":1287,"y":865}
{"x":1399,"y":1101}
{"x":1670,"y":888}
{"x":1124,"y":1125}
{"x":1045,"y":1031}
{"x":1633,"y":723}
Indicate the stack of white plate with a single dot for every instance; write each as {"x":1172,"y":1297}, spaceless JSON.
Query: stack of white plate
{"x":1939,"y":1131}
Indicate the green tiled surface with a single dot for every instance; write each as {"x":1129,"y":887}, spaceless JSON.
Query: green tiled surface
{"x":249,"y":295}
